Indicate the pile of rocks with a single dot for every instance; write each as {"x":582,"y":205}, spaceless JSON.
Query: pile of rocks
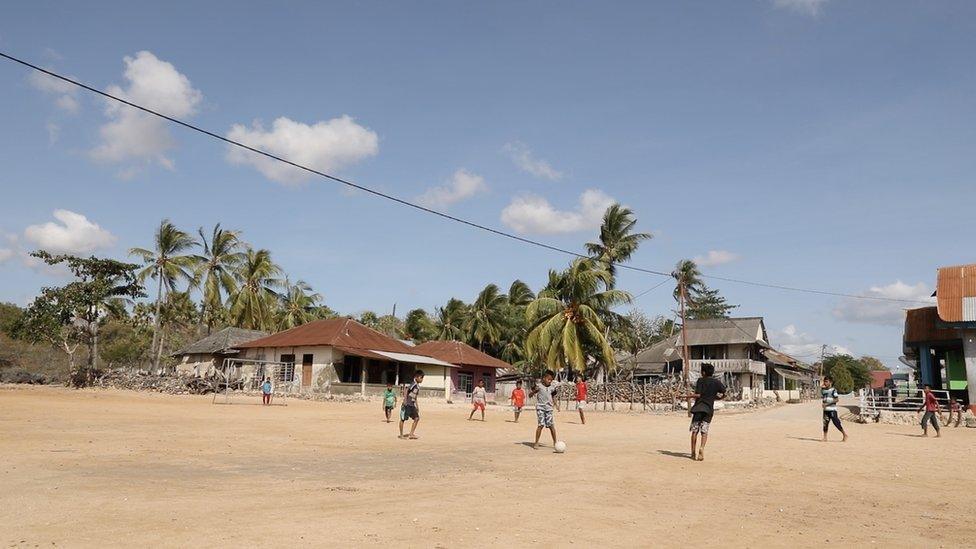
{"x":166,"y":383}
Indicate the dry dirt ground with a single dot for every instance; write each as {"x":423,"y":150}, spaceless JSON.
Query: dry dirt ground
{"x":101,"y":467}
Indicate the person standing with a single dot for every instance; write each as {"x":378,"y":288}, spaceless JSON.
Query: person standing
{"x":410,"y":409}
{"x":479,"y":396}
{"x":932,"y":408}
{"x":266,"y":391}
{"x":707,"y":391}
{"x":828,"y":400}
{"x":518,"y":399}
{"x":581,"y":397}
{"x":543,"y":392}
{"x":389,"y":401}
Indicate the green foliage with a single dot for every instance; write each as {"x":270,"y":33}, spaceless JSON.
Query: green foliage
{"x":297,"y":305}
{"x":10,"y":315}
{"x":566,"y":319}
{"x":419,"y":327}
{"x":705,"y":303}
{"x":124,"y":343}
{"x":617,"y":242}
{"x":68,"y":315}
{"x":843,"y":378}
{"x":486,"y":317}
{"x":253,"y":306}
{"x":221,"y":258}
{"x":856,"y":369}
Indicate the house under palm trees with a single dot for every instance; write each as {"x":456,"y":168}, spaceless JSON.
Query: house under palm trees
{"x":737,"y":347}
{"x":342,"y":356}
{"x":202,"y":358}
{"x":471,"y":364}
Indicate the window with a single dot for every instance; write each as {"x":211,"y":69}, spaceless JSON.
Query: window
{"x":709,"y":352}
{"x":287,"y":371}
{"x":351,"y":370}
{"x":487,"y":379}
{"x":465,"y":382}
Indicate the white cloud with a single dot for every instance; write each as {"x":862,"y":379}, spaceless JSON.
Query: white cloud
{"x":522,"y":156}
{"x":5,"y":254}
{"x":326,"y":146}
{"x":533,"y":214}
{"x":878,"y":311}
{"x":463,"y":185}
{"x":64,"y":91}
{"x":134,"y":136}
{"x":715,"y":258}
{"x":53,"y":132}
{"x":802,"y":345}
{"x":805,"y":7}
{"x":75,"y":234}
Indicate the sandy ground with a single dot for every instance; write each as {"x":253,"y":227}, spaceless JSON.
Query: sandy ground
{"x":86,"y":468}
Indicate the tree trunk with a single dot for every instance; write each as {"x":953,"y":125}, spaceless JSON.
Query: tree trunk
{"x":153,"y":355}
{"x":159,"y":352}
{"x":93,"y":350}
{"x":685,"y":361}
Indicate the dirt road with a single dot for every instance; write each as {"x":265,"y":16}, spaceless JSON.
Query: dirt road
{"x":86,"y":468}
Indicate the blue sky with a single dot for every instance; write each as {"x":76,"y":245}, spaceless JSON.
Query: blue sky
{"x":814,"y":143}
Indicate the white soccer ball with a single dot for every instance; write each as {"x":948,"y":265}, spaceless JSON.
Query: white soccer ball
{"x":560,"y":447}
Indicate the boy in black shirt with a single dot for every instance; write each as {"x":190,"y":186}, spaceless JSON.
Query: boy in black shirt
{"x":707,"y":390}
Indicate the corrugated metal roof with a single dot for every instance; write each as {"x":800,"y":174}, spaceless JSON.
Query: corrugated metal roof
{"x":460,"y":354}
{"x":922,"y":326}
{"x":220,"y":341}
{"x":955,"y":284}
{"x":336,"y":332}
{"x":414,"y":359}
{"x":719,"y":331}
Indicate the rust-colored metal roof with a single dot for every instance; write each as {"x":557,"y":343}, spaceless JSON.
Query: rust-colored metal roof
{"x":878,"y":378}
{"x":956,"y":293}
{"x":336,"y":332}
{"x":922,"y":325}
{"x":459,"y":353}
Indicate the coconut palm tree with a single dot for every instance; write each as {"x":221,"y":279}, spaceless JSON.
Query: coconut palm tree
{"x":451,"y":319}
{"x":487,"y":315}
{"x":221,"y":256}
{"x":566,"y":319}
{"x":418,"y":326}
{"x":617,"y":242}
{"x":297,"y":305}
{"x":687,"y":279}
{"x":168,"y":264}
{"x":253,"y":306}
{"x":519,"y":294}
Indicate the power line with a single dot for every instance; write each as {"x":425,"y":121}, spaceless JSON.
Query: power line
{"x":413,"y":205}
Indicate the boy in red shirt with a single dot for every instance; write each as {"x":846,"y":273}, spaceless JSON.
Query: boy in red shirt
{"x":518,"y":399}
{"x":581,"y":397}
{"x":932,"y":409}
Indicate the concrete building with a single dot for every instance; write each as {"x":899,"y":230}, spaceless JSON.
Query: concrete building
{"x":941,"y":341}
{"x":202,"y":358}
{"x":471,"y":364}
{"x":341,"y":356}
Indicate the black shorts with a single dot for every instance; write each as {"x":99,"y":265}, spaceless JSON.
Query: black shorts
{"x":409,"y":412}
{"x":703,"y":417}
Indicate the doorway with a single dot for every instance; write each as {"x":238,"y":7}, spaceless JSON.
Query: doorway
{"x":307,"y":370}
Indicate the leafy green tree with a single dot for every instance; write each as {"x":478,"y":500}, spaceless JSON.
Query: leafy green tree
{"x":168,"y":264}
{"x":67,"y":315}
{"x":258,"y":281}
{"x":10,"y":315}
{"x":843,"y":380}
{"x":298,"y":304}
{"x":390,"y":325}
{"x":856,"y":369}
{"x":221,"y":257}
{"x":519,"y":294}
{"x":873,"y":364}
{"x":566,"y":319}
{"x":705,"y":303}
{"x":617,"y":242}
{"x":486,"y":317}
{"x":419,"y":327}
{"x":369,"y":319}
{"x":124,"y":343}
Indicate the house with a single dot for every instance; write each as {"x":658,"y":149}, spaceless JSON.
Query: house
{"x":201,"y":359}
{"x":737,"y":347}
{"x":341,"y":356}
{"x":472,"y":366}
{"x":881,"y":379}
{"x":940,"y":341}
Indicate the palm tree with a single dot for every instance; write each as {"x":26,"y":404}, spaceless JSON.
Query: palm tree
{"x":253,"y":306}
{"x":418,"y":326}
{"x":487,"y":316}
{"x":566,"y":319}
{"x":687,"y":279}
{"x":519,"y":294}
{"x":451,"y":319}
{"x":297,"y":305}
{"x":221,"y":256}
{"x":168,"y":265}
{"x":617,"y":242}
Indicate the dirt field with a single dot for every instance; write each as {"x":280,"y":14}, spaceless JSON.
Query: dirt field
{"x":86,"y":468}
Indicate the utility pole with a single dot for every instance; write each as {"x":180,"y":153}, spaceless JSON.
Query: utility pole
{"x":823,"y":354}
{"x":685,"y":362}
